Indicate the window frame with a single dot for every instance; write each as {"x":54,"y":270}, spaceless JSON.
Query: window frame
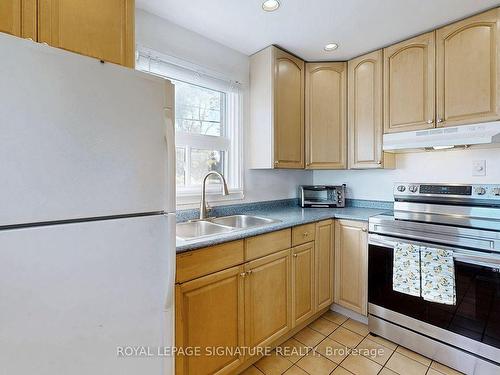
{"x":231,"y":140}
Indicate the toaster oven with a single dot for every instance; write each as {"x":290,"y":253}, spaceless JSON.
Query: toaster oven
{"x":322,"y":195}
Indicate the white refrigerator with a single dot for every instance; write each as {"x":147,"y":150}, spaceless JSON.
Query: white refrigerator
{"x":87,"y":215}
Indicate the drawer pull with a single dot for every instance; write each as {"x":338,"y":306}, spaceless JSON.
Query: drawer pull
{"x":306,"y":234}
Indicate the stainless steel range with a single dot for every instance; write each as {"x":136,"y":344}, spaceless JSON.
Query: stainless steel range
{"x":454,"y":319}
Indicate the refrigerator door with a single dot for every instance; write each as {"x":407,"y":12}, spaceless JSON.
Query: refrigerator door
{"x":79,"y":138}
{"x":74,"y":297}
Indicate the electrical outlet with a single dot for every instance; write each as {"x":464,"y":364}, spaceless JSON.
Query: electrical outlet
{"x":479,"y":167}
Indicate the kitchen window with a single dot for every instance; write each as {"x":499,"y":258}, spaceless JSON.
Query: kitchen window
{"x":207,"y":127}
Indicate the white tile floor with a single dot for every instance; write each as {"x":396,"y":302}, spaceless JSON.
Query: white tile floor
{"x":326,"y":347}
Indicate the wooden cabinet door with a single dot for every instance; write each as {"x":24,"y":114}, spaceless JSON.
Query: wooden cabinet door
{"x":409,"y":84}
{"x":351,"y":265}
{"x":365,"y":120}
{"x":18,"y":17}
{"x":209,"y":313}
{"x":326,"y":116}
{"x":288,"y":110}
{"x":324,"y":264}
{"x":303,"y":273}
{"x":96,"y":28}
{"x":267,"y":299}
{"x":468,"y":70}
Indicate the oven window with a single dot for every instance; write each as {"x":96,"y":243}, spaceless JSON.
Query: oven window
{"x":476,"y":314}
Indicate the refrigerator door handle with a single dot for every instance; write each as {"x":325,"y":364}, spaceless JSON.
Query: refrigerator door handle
{"x":170,"y":222}
{"x":170,"y":145}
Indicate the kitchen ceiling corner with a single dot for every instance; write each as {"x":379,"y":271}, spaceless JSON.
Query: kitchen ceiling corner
{"x":357,"y":26}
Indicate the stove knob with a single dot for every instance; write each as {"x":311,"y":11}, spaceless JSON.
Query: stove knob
{"x":480,"y":190}
{"x":413,"y":188}
{"x":495,"y":191}
{"x":401,"y":188}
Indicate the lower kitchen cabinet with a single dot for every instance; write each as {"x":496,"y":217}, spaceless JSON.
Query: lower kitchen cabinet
{"x":351,"y":265}
{"x":303,"y":283}
{"x":268,"y":298}
{"x":251,"y":293}
{"x":209,"y":313}
{"x":324,"y":264}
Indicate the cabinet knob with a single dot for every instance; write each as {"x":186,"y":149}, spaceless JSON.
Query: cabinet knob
{"x":364,"y":230}
{"x":306,"y":234}
{"x":243,"y":274}
{"x":379,"y":162}
{"x":249,"y":272}
{"x":295,"y":255}
{"x":439,"y":120}
{"x":430,"y":121}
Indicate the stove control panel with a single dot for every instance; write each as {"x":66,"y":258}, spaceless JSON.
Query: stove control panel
{"x":447,"y":191}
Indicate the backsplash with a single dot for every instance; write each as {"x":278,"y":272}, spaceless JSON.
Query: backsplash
{"x":192,"y":214}
{"x":433,"y":167}
{"x":233,"y":209}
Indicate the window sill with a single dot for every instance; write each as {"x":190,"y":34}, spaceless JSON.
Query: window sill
{"x":189,"y":200}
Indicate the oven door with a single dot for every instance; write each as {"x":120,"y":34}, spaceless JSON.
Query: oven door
{"x":473,"y":324}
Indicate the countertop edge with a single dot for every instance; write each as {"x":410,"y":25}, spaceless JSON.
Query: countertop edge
{"x":187,"y":246}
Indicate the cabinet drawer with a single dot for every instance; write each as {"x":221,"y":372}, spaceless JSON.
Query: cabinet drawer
{"x":303,"y":233}
{"x":208,"y":260}
{"x":259,"y":246}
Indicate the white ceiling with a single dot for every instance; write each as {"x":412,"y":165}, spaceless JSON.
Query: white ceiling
{"x":305,"y":26}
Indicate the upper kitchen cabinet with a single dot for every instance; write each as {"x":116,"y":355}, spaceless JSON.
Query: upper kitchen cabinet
{"x":409,"y":84}
{"x":100,"y":29}
{"x":326,"y":115}
{"x":365,"y":113}
{"x":468,"y":70}
{"x":19,"y":18}
{"x":276,"y":138}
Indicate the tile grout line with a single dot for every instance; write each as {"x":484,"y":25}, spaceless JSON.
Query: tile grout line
{"x":366,"y":336}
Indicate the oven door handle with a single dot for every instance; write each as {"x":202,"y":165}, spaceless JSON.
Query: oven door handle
{"x":471,"y":257}
{"x":464,"y":256}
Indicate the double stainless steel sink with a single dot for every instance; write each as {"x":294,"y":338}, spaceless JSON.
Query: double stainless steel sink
{"x":209,"y":227}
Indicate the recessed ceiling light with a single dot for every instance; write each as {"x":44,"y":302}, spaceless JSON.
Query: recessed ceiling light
{"x":331,"y":47}
{"x":270,"y":5}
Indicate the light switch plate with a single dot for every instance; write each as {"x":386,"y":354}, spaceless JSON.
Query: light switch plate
{"x":479,"y":167}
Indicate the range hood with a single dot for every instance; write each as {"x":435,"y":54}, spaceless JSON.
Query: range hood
{"x":442,"y":138}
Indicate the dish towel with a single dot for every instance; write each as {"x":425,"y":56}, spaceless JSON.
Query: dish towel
{"x":438,"y":275}
{"x":406,"y":269}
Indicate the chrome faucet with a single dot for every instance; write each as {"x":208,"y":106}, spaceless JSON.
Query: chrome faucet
{"x":203,"y":205}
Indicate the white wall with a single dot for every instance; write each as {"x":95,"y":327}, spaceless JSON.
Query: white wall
{"x":165,"y":37}
{"x":436,"y":167}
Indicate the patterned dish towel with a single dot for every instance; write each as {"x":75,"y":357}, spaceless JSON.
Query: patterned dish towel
{"x":406,"y":269}
{"x":438,"y":275}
